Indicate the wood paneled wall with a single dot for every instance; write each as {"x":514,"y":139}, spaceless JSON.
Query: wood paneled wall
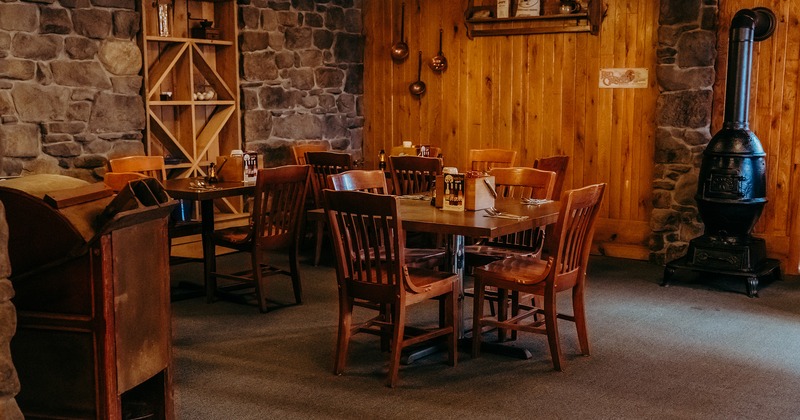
{"x":537,"y":94}
{"x":774,"y":113}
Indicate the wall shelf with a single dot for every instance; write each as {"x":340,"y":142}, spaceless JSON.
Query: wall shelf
{"x":588,"y":20}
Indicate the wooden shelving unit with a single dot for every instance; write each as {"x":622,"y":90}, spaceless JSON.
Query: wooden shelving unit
{"x":588,"y":19}
{"x":187,"y":131}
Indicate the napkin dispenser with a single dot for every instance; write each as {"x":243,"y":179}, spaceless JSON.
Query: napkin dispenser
{"x":458,"y":192}
{"x":238,"y":167}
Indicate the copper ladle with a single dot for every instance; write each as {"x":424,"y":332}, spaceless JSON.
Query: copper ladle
{"x":438,"y":62}
{"x":400,"y":48}
{"x":418,"y":88}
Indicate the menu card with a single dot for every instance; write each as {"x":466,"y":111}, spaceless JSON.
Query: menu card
{"x":453,"y":198}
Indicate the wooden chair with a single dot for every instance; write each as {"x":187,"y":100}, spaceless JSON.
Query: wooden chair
{"x":486,"y":159}
{"x":277,"y":209}
{"x":517,"y":183}
{"x":375,"y":182}
{"x":414,"y":174}
{"x":364,"y":225}
{"x":299,"y":150}
{"x":557,"y":164}
{"x":565,"y":270}
{"x":324,"y":164}
{"x":129,"y":168}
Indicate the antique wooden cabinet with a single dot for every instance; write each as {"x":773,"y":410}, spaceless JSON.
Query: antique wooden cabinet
{"x":92,"y":293}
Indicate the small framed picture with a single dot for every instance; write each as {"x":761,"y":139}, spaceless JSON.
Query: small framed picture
{"x":528,"y":8}
{"x":503,"y":8}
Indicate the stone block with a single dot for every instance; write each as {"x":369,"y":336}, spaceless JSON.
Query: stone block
{"x":309,"y":102}
{"x":679,"y":11}
{"x":334,"y":18}
{"x":348,"y":48}
{"x":310,"y":58}
{"x":97,"y":147}
{"x":36,"y":47}
{"x":269,"y":20}
{"x":44,"y":74}
{"x":335,"y":127}
{"x":75,"y":4}
{"x":259,"y":65}
{"x":329,"y":77}
{"x":80,"y":74}
{"x":306,"y":5}
{"x":670,"y":149}
{"x":277,"y":40}
{"x":20,"y":140}
{"x":673,"y":78}
{"x":254,"y":40}
{"x":279,"y":5}
{"x":126,"y":24}
{"x":92,"y":23}
{"x":80,"y":48}
{"x":277,"y":98}
{"x":297,"y":38}
{"x":249,"y":98}
{"x":302,"y":79}
{"x":346,"y":104}
{"x":91,"y":161}
{"x":17,"y":69}
{"x":257,"y":124}
{"x":697,"y":49}
{"x":127,"y":85}
{"x":122,"y":148}
{"x":67,"y":149}
{"x":19,"y":16}
{"x":686,"y":189}
{"x":122,"y":58}
{"x":298,"y":126}
{"x":685,"y":109}
{"x":54,"y":21}
{"x":6,"y":104}
{"x":36,"y":103}
{"x":354,"y":81}
{"x":251,"y":17}
{"x":664,"y":220}
{"x":285,"y":59}
{"x":288,"y":19}
{"x":57,"y":138}
{"x":68,"y":127}
{"x":314,"y":20}
{"x":353,"y":21}
{"x":117,"y":113}
{"x":323,"y":38}
{"x":124,"y":4}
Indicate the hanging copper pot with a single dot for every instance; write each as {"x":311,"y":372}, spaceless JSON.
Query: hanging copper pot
{"x":418,"y":88}
{"x":400,"y":48}
{"x":438,"y":62}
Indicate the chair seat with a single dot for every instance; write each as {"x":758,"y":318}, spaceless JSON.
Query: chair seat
{"x":425,"y":257}
{"x":429,"y":279}
{"x":517,"y":270}
{"x":237,"y":235}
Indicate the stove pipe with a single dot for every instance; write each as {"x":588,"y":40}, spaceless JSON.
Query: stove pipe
{"x":731,"y":191}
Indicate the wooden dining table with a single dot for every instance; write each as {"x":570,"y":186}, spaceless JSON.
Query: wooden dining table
{"x":418,"y":215}
{"x":187,"y":189}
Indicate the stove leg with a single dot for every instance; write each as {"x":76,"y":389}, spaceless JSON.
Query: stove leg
{"x":668,"y":273}
{"x":752,"y":286}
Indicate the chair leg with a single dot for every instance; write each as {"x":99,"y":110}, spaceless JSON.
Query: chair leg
{"x":386,"y":311}
{"x":343,"y":340}
{"x":318,"y":247}
{"x":259,"y":279}
{"x":477,"y":315}
{"x":294,"y":268}
{"x":515,"y":297}
{"x":579,"y":312}
{"x":397,"y":344}
{"x":551,"y":324}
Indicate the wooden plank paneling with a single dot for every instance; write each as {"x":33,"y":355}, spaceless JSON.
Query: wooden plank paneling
{"x":537,"y":94}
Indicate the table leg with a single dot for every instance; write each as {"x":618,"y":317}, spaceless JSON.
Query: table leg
{"x":209,"y":253}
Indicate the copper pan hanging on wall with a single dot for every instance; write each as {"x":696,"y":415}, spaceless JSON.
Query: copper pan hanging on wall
{"x":400,"y":48}
{"x":438,"y":62}
{"x":418,"y":88}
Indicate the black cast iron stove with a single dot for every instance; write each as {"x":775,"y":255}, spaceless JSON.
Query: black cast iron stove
{"x":732,"y":186}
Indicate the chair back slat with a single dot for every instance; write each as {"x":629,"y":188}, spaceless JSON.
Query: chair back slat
{"x":486,"y":159}
{"x":359,"y":180}
{"x":575,"y":229}
{"x":324,"y":164}
{"x":414,"y":174}
{"x":368,"y":240}
{"x":152,"y":166}
{"x":557,"y":164}
{"x":278,"y":204}
{"x":522,"y":183}
{"x":299,"y":150}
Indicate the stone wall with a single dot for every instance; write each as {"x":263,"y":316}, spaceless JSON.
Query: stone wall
{"x":9,"y":383}
{"x":302,"y":71}
{"x":69,"y":86}
{"x":70,"y":81}
{"x":687,"y":53}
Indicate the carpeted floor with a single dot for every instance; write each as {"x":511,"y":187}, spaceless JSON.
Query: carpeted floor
{"x":687,"y":351}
